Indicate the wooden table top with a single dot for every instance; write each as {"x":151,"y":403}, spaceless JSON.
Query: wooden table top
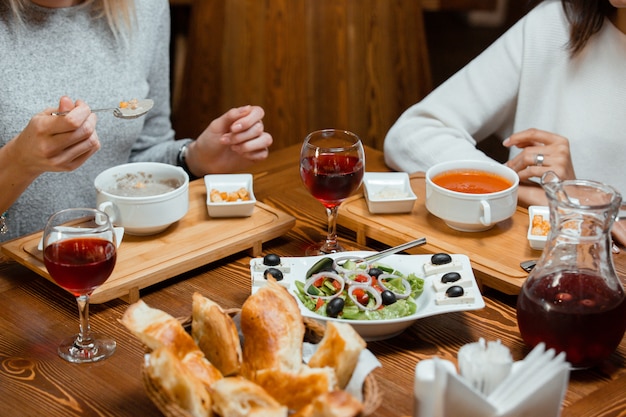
{"x":35,"y":314}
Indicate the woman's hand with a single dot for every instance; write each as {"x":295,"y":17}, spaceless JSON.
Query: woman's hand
{"x":47,"y":144}
{"x":55,"y":143}
{"x":541,"y":152}
{"x":230,"y":143}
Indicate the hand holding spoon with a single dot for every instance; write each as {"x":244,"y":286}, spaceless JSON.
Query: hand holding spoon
{"x":142,"y":107}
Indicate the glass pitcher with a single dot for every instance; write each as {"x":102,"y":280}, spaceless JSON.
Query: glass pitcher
{"x":573,"y":300}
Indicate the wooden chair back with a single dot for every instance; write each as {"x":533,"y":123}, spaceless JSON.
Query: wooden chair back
{"x":311,"y":64}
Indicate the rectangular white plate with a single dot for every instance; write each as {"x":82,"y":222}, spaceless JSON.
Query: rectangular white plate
{"x":295,"y":268}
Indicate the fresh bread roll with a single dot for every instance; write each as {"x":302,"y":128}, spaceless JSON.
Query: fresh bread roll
{"x":340,"y":349}
{"x":201,"y":368}
{"x":332,"y":404}
{"x":215,"y":333}
{"x":155,"y":328}
{"x":239,"y":397}
{"x":177,"y":383}
{"x":295,"y":389}
{"x":272,"y":329}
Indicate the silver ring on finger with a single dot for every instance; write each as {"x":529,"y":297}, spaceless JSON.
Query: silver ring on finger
{"x":539,"y":158}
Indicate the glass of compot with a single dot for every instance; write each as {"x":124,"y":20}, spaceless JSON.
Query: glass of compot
{"x":573,"y":300}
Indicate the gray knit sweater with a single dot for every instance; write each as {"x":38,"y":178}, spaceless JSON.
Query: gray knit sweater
{"x":57,"y":52}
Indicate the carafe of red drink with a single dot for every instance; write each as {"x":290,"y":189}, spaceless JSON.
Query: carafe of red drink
{"x":573,"y":300}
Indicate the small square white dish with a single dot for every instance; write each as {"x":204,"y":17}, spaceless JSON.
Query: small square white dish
{"x":388,"y":192}
{"x":538,"y":237}
{"x":230,"y":183}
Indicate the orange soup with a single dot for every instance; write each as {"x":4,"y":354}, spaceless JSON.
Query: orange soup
{"x":472,"y":181}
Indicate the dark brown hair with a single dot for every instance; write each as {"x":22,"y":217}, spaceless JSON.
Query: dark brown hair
{"x":585,"y":17}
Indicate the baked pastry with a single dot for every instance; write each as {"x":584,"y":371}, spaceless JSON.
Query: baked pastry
{"x":215,"y":333}
{"x":332,"y":404}
{"x":177,"y":383}
{"x":239,"y":397}
{"x":296,"y":389}
{"x":340,"y":349}
{"x":273,"y":330}
{"x":201,"y":368}
{"x":155,"y":328}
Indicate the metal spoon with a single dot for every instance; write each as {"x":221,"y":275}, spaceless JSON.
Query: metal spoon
{"x":395,"y":249}
{"x":143,"y":107}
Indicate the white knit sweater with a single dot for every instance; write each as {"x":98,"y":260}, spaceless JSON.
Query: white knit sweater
{"x":66,"y":51}
{"x":526,"y":79}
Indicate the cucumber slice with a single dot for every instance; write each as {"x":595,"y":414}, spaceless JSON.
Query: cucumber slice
{"x":324,"y":264}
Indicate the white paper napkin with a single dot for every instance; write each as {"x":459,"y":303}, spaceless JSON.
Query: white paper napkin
{"x":535,"y":386}
{"x":366,"y":364}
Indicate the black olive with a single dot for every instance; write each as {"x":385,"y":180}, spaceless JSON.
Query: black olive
{"x":271,"y":259}
{"x":388,"y":297}
{"x":450,"y":277}
{"x":334,"y":307}
{"x":455,"y":291}
{"x":440,"y":259}
{"x":276,"y":273}
{"x":375,"y":272}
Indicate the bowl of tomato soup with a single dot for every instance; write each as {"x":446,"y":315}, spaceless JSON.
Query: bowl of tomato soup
{"x":471,"y":196}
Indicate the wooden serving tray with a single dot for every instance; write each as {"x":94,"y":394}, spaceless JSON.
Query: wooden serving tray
{"x":194,"y":241}
{"x":495,"y":254}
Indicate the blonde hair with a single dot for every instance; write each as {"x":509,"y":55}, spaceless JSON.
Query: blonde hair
{"x":118,"y":13}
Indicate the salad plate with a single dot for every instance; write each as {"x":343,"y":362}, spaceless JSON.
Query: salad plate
{"x":431,"y":301}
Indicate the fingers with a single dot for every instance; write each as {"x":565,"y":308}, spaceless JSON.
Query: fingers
{"x":60,"y":143}
{"x":618,"y":232}
{"x":541,"y":151}
{"x":254,"y":148}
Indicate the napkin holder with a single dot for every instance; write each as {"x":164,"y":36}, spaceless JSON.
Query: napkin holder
{"x":536,"y":386}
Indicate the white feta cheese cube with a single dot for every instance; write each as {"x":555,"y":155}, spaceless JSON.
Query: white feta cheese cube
{"x":467,"y":298}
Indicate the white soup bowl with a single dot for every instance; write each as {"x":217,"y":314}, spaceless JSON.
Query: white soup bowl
{"x":143,"y":197}
{"x":469,"y":212}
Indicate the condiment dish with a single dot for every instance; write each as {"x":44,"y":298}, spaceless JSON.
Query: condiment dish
{"x":388,"y":192}
{"x":230,"y":195}
{"x":538,"y":227}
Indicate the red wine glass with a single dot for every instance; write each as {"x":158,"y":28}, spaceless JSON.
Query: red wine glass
{"x":79,"y":247}
{"x":332,"y":163}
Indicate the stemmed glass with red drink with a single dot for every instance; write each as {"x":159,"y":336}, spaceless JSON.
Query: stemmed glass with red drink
{"x":332,"y":163}
{"x":79,"y":247}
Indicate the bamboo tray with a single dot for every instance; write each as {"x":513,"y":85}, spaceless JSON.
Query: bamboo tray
{"x":194,"y":241}
{"x":495,"y":254}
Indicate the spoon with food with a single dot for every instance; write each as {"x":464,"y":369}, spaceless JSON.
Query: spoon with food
{"x":130,"y":109}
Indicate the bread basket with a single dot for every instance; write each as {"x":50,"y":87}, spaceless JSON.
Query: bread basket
{"x":314,"y":332}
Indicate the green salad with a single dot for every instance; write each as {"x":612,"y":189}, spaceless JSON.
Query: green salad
{"x":350,"y":288}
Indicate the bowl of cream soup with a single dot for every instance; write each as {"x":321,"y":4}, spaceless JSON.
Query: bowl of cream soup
{"x":143,"y":197}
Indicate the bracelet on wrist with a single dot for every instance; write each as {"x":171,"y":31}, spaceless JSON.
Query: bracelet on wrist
{"x":181,"y":161}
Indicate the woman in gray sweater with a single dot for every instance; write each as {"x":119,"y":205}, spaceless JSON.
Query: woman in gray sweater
{"x":68,"y":55}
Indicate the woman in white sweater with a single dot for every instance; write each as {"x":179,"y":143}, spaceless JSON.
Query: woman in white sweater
{"x":552,"y":88}
{"x":72,"y":54}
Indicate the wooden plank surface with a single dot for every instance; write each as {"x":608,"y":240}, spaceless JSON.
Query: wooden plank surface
{"x":495,"y":253}
{"x":195,"y":240}
{"x":36,"y":314}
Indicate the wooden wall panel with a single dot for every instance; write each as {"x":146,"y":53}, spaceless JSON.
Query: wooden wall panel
{"x":352,"y":64}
